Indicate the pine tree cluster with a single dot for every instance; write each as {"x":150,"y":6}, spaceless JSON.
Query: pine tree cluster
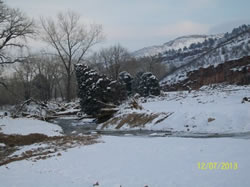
{"x":97,"y":92}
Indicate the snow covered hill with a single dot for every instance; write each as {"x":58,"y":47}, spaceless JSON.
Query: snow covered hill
{"x":190,"y":53}
{"x":232,"y":46}
{"x":178,"y":43}
{"x":215,"y":109}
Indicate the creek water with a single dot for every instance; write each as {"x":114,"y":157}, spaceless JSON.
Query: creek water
{"x":73,"y":126}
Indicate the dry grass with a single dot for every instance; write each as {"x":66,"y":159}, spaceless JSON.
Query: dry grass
{"x":133,"y":120}
{"x":135,"y":105}
{"x":137,"y":120}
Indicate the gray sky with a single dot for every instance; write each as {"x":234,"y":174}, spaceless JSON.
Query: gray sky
{"x":139,"y":23}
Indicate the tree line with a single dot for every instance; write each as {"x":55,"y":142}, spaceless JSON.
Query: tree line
{"x":49,"y":74}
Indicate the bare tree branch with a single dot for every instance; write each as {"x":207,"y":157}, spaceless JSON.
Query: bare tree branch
{"x":15,"y":27}
{"x":70,"y":39}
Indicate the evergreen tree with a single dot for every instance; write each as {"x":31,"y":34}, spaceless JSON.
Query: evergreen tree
{"x":136,"y":82}
{"x":97,"y":91}
{"x":146,"y":84}
{"x":126,"y":79}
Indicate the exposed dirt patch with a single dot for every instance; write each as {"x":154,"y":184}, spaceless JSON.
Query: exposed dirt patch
{"x":210,"y":120}
{"x":19,"y":140}
{"x":231,"y":72}
{"x":44,"y":146}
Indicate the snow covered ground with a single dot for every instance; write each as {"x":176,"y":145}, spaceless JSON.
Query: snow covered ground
{"x":135,"y":162}
{"x":24,"y":126}
{"x":215,"y":109}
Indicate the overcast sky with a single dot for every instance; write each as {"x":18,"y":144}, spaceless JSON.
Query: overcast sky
{"x":139,"y":23}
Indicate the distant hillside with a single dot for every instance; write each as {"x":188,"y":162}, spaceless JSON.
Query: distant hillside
{"x":176,"y":44}
{"x":232,"y":72}
{"x":232,"y":46}
{"x":189,"y":53}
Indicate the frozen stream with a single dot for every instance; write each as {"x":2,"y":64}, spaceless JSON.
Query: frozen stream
{"x":74,"y":126}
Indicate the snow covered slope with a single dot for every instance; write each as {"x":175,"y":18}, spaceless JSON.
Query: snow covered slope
{"x":24,"y":126}
{"x":137,"y":162}
{"x":232,"y":46}
{"x":209,"y":110}
{"x":178,"y":43}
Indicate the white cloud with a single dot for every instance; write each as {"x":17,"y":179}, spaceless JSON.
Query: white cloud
{"x":184,"y":28}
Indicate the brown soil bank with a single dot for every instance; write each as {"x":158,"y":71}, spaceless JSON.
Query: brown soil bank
{"x":51,"y":145}
{"x":231,"y":72}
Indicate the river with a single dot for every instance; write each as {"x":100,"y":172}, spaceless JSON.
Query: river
{"x":72,"y":126}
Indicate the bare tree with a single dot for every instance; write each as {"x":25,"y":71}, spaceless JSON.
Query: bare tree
{"x":113,"y":58}
{"x":49,"y":68}
{"x":71,"y":40}
{"x":154,"y":65}
{"x":25,"y":73}
{"x":15,"y":27}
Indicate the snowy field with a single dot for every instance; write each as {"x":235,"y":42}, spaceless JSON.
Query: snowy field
{"x":24,"y":126}
{"x":217,"y":110}
{"x":135,"y":162}
{"x":208,"y":110}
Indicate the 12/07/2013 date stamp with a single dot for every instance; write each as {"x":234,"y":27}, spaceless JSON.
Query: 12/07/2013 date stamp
{"x":217,"y":165}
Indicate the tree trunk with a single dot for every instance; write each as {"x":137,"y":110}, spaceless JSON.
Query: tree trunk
{"x":68,"y":88}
